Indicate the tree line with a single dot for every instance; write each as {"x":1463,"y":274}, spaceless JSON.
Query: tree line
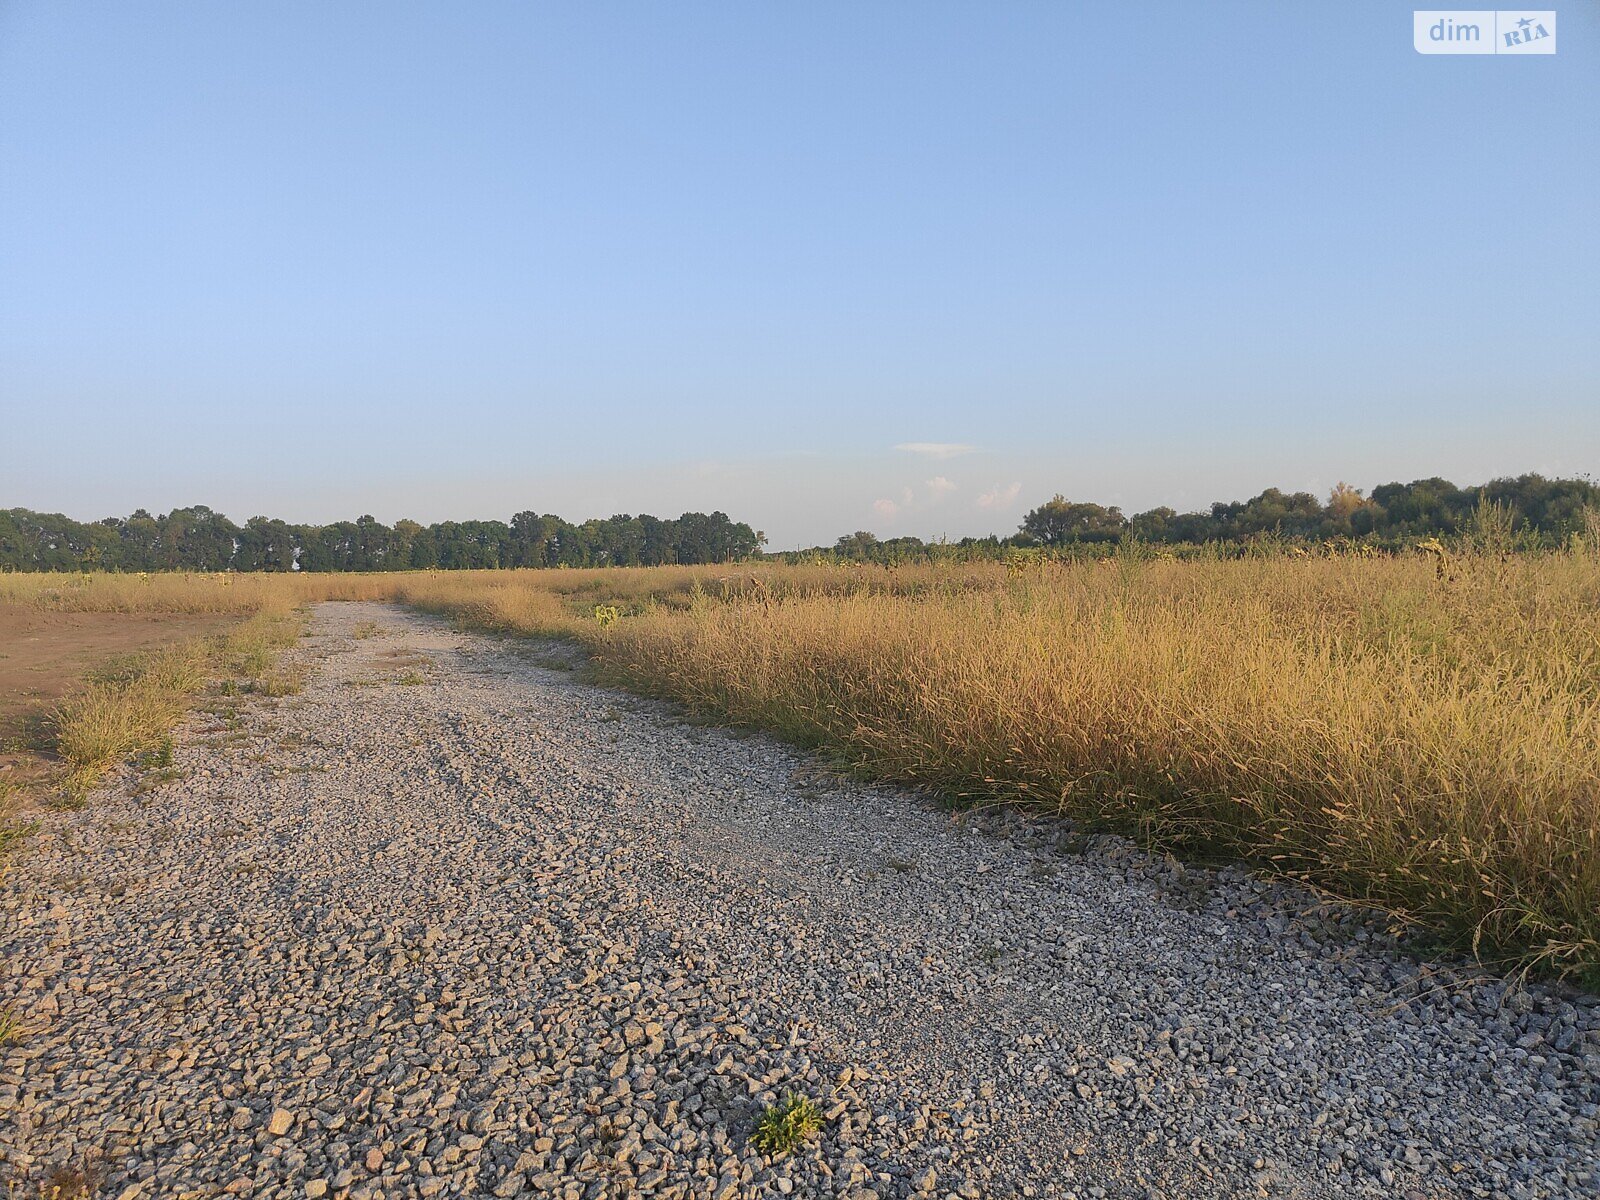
{"x":1538,"y":511}
{"x":1423,"y":508}
{"x":198,"y":539}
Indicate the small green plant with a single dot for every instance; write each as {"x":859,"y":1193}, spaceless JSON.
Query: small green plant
{"x":12,"y":833}
{"x":151,"y":780}
{"x":366,"y":629}
{"x":73,"y":794}
{"x":285,"y":681}
{"x":157,"y":758}
{"x":786,"y":1124}
{"x":606,"y":614}
{"x":412,"y":678}
{"x":10,"y":797}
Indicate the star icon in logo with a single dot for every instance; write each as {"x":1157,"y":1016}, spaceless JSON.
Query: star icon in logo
{"x":1524,"y":23}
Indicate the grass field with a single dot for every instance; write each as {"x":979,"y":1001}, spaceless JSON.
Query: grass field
{"x":1417,"y":734}
{"x":114,"y":661}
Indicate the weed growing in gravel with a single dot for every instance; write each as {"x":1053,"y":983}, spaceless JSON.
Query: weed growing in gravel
{"x":367,"y":629}
{"x":11,"y":1027}
{"x":13,"y":832}
{"x":787,"y":1124}
{"x":63,"y":1181}
{"x":285,"y":681}
{"x":411,"y":678}
{"x":151,"y":780}
{"x":157,"y":758}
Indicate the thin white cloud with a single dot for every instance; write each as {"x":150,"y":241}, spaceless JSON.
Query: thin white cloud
{"x":936,"y":450}
{"x":999,"y":497}
{"x":914,"y":500}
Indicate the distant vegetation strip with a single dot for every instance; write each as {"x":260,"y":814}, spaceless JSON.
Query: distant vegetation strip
{"x":198,"y":539}
{"x":1537,"y":513}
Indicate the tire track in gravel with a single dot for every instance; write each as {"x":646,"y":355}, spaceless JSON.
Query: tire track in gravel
{"x":503,"y":933}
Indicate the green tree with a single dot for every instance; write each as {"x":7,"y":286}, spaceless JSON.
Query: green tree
{"x":859,"y":546}
{"x":266,"y":544}
{"x":1058,"y":521}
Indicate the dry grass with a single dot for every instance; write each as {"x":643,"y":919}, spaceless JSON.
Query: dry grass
{"x":130,"y":705}
{"x":184,"y":592}
{"x":12,"y":1027}
{"x":79,"y":1180}
{"x":1421,"y":734}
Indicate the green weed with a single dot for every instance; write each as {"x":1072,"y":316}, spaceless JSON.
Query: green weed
{"x":787,"y":1124}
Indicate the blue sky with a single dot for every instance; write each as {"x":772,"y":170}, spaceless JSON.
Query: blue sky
{"x":449,"y":261}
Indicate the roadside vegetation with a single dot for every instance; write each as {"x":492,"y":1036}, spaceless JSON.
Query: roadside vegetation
{"x":1418,"y":732}
{"x":127,"y":704}
{"x":130,"y":706}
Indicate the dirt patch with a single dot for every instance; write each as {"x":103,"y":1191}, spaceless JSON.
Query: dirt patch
{"x":45,"y":655}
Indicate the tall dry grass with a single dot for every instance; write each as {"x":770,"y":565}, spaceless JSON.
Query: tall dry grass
{"x":184,"y":592}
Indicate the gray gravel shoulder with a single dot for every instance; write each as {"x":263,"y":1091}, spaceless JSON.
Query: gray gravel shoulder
{"x":455,"y":923}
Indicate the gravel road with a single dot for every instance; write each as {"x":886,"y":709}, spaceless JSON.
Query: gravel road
{"x":454,"y":923}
